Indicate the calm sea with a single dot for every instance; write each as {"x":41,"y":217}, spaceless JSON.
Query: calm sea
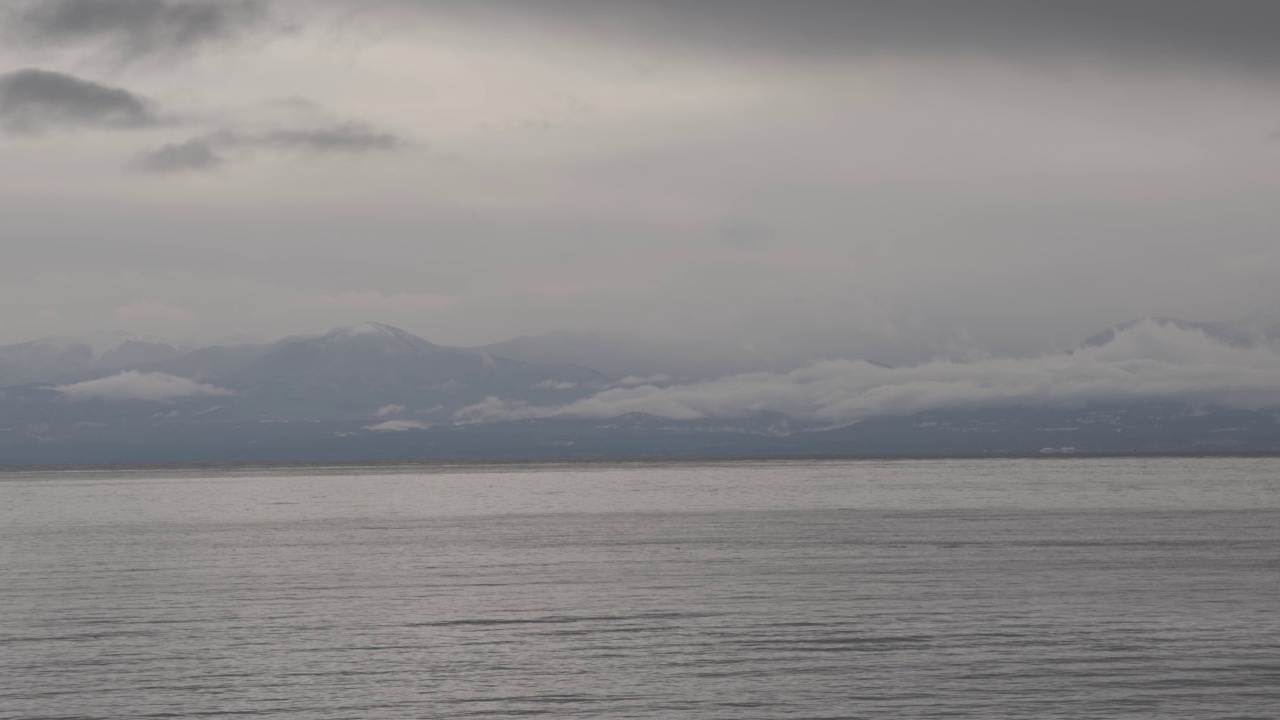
{"x":1047,"y":588}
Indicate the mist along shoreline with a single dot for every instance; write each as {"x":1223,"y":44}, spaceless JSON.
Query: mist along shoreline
{"x":436,"y":464}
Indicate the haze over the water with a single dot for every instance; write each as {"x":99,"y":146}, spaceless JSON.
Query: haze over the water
{"x":887,"y":179}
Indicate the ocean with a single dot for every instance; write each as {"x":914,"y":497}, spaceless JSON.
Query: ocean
{"x":1004,"y":588}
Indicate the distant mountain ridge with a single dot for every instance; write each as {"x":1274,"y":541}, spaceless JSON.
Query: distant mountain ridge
{"x":612,"y":354}
{"x":621,"y":355}
{"x":373,"y":363}
{"x":376,"y":391}
{"x":349,"y":372}
{"x":53,"y":358}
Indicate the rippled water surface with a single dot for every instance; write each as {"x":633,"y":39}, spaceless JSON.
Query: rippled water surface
{"x":1054,"y":588}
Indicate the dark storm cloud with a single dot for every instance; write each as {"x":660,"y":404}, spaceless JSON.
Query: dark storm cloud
{"x":1240,"y":33}
{"x":134,"y":28}
{"x":33,"y":101}
{"x":210,"y":151}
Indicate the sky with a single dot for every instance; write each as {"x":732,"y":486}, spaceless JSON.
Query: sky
{"x":973,"y":178}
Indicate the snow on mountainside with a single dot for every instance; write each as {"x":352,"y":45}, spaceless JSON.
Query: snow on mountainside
{"x":385,"y":333}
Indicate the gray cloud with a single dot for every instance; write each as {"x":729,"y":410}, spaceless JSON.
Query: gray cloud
{"x":1237,"y":33}
{"x":191,"y":155}
{"x":33,"y":101}
{"x":134,"y":28}
{"x":1227,"y":33}
{"x":972,"y":164}
{"x":210,"y":151}
{"x":1146,"y":361}
{"x":341,"y":138}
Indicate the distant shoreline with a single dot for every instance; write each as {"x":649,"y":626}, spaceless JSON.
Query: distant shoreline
{"x":467,"y":463}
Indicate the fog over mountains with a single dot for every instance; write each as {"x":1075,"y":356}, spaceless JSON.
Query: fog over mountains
{"x":372,"y":390}
{"x":350,"y":372}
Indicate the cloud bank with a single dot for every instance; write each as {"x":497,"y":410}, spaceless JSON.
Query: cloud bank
{"x":134,"y":28}
{"x":134,"y":385}
{"x":1147,"y":361}
{"x":1228,"y":33}
{"x":34,"y":101}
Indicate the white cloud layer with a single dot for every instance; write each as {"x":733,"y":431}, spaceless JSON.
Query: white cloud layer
{"x":397,"y":426}
{"x":133,"y":385}
{"x":1149,"y":361}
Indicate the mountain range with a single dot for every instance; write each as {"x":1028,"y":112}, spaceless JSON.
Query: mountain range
{"x":351,"y":372}
{"x":376,"y":391}
{"x":48,"y":359}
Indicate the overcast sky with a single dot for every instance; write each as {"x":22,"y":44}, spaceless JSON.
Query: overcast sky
{"x":995,"y":176}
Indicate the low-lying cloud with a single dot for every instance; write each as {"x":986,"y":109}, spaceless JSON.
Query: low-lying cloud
{"x":397,"y":426}
{"x":1148,"y":361}
{"x":34,"y":101}
{"x":134,"y":385}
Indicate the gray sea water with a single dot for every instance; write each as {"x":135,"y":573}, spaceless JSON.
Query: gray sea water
{"x":1042,"y":588}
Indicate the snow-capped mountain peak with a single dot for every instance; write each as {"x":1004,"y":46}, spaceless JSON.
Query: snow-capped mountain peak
{"x":373,"y":330}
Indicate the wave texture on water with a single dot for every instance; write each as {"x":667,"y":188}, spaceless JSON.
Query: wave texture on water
{"x":960,"y":589}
